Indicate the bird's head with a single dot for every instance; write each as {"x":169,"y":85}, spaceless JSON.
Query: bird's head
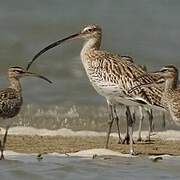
{"x":19,"y":72}
{"x":168,"y":71}
{"x":88,"y":32}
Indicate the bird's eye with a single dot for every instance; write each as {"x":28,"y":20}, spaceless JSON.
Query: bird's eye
{"x":163,"y":70}
{"x":90,"y":30}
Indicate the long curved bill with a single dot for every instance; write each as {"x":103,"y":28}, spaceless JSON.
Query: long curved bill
{"x":27,"y":73}
{"x":50,"y":46}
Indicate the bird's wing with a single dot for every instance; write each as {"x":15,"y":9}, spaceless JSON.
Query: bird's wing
{"x":126,"y":74}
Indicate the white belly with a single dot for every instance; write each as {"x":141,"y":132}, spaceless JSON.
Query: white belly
{"x":112,"y":92}
{"x":106,"y":89}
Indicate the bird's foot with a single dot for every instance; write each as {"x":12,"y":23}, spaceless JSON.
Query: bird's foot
{"x":120,"y":141}
{"x":148,"y":140}
{"x":126,"y":140}
{"x":106,"y":145}
{"x":1,"y":150}
{"x":139,"y":139}
{"x":132,"y":153}
{"x":2,"y":157}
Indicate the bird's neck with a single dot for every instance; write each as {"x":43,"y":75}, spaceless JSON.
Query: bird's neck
{"x":15,"y":84}
{"x":171,"y":83}
{"x":91,"y":44}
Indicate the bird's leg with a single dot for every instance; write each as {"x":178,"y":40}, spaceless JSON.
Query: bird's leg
{"x":151,"y":121}
{"x":3,"y":143}
{"x":150,"y":114}
{"x":140,"y":123}
{"x":0,"y":144}
{"x":134,"y":120}
{"x":163,"y":120}
{"x":110,"y":123}
{"x":117,"y":123}
{"x":1,"y":149}
{"x":126,"y":138}
{"x":130,"y":127}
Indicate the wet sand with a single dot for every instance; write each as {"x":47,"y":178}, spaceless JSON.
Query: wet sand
{"x":60,"y":144}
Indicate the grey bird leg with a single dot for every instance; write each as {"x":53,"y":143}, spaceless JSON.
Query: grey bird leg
{"x":117,"y":123}
{"x":140,"y":123}
{"x":130,"y":127}
{"x":150,"y":114}
{"x":127,"y":138}
{"x":2,"y":146}
{"x":110,"y":123}
{"x":163,"y":120}
{"x":151,"y":121}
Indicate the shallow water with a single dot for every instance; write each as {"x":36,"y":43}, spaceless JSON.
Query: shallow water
{"x":77,"y":168}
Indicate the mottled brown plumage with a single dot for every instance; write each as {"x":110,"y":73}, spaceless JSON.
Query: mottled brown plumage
{"x":11,"y":99}
{"x":10,"y":103}
{"x":110,"y":74}
{"x":103,"y":68}
{"x":171,"y":93}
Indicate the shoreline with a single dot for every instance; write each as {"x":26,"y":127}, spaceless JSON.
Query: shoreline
{"x":71,"y":144}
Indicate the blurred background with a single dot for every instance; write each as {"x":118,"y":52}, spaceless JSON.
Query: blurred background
{"x":149,"y":31}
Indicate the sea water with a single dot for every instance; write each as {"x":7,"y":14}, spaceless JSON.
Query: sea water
{"x":54,"y":167}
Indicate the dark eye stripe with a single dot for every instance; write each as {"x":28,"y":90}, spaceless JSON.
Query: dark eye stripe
{"x":91,"y":30}
{"x":163,"y":70}
{"x":19,"y":71}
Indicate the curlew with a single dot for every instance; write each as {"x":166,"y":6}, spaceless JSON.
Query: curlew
{"x":171,"y":94}
{"x":11,"y":99}
{"x":111,"y":75}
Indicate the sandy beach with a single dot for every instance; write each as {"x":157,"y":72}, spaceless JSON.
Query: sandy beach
{"x":60,"y":144}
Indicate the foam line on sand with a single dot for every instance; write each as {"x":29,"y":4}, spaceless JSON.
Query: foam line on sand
{"x":164,"y":135}
{"x":90,"y":153}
